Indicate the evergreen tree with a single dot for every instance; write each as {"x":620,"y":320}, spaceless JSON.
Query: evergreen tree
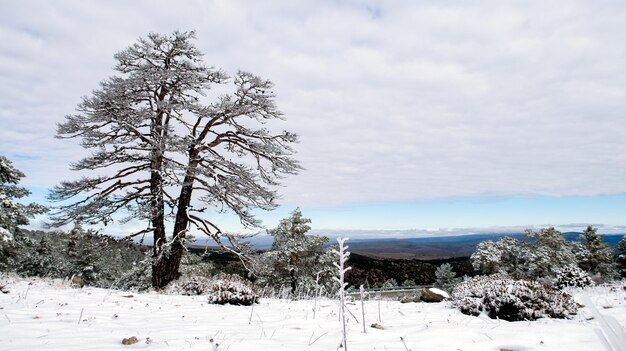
{"x":540,"y":254}
{"x":295,"y":257}
{"x":621,"y":257}
{"x":506,"y":255}
{"x":593,"y":254}
{"x":487,"y":257}
{"x":549,"y":252}
{"x":445,"y":277}
{"x":13,"y":213}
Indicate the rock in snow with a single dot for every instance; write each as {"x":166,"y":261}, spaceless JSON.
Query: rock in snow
{"x":433,"y":295}
{"x":130,"y":341}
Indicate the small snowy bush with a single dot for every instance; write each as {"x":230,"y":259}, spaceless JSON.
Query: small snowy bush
{"x":220,"y":289}
{"x":572,"y":276}
{"x":232,"y":289}
{"x":500,"y":296}
{"x":190,"y":285}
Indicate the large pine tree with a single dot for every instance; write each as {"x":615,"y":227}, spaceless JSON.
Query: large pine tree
{"x":166,"y":153}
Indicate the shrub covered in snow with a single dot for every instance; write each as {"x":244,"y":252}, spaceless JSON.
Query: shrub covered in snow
{"x":232,"y":289}
{"x":572,"y":276}
{"x":500,"y":296}
{"x":220,"y":289}
{"x":190,"y":285}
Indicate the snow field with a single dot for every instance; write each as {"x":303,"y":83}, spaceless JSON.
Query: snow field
{"x":48,"y":315}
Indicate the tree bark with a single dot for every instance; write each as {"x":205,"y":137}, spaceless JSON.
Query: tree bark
{"x":160,"y":269}
{"x":167,"y":268}
{"x":158,"y":223}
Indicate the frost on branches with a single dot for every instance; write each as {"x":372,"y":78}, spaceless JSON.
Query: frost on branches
{"x":343,"y":254}
{"x":162,"y":150}
{"x":502,"y":297}
{"x":12,"y":213}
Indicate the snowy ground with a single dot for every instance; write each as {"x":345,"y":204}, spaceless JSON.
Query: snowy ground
{"x":48,"y":315}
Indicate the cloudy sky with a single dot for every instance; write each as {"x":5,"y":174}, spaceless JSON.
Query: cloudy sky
{"x":412,"y":114}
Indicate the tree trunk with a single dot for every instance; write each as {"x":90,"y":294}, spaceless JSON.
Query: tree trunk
{"x":166,"y":269}
{"x":157,"y":206}
{"x":158,"y":223}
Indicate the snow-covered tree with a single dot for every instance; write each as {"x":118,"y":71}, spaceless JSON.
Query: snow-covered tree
{"x":593,"y":254}
{"x":164,"y":151}
{"x":12,"y":212}
{"x":620,"y":260}
{"x":505,"y":255}
{"x":296,"y":258}
{"x":540,"y":254}
{"x":549,"y":252}
{"x":486,"y":259}
{"x":445,"y":277}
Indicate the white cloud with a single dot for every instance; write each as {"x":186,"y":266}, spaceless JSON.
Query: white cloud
{"x":393,"y":100}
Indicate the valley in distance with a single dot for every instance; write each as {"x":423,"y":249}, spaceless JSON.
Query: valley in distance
{"x":420,"y":248}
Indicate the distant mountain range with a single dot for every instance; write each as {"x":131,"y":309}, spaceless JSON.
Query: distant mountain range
{"x":439,"y":247}
{"x":423,"y":248}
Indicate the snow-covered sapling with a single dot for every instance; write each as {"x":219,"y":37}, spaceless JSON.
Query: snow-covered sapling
{"x":343,"y":254}
{"x":362,"y":295}
{"x":317,"y":292}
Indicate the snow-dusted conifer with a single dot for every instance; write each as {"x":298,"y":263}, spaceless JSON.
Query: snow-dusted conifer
{"x":486,"y":258}
{"x":539,"y":255}
{"x":445,"y":277}
{"x":620,"y":260}
{"x":505,"y":255}
{"x":165,"y":153}
{"x":296,"y":259}
{"x":593,"y":254}
{"x":549,"y":253}
{"x":13,"y":213}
